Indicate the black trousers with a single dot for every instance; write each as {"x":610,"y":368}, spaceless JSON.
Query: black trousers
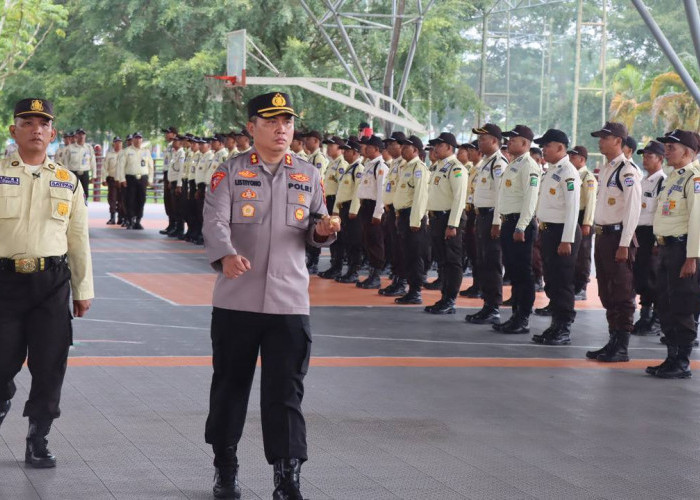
{"x":35,"y":324}
{"x":112,"y":195}
{"x":677,"y":299}
{"x":412,"y":263}
{"x":582,"y":274}
{"x":336,"y":247}
{"x":84,"y":180}
{"x":350,"y":236}
{"x":176,"y":203}
{"x":559,"y":272}
{"x":199,"y":204}
{"x":448,"y":253}
{"x":392,"y":248}
{"x":646,"y":266}
{"x":489,"y":258}
{"x":136,"y":195}
{"x":372,"y":235}
{"x":615,"y":281}
{"x":183,"y":201}
{"x":284,"y":345}
{"x":517,"y":259}
{"x":167,"y":197}
{"x":469,"y":245}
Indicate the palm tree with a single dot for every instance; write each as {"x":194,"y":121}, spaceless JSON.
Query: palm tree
{"x":672,"y":103}
{"x":630,"y":92}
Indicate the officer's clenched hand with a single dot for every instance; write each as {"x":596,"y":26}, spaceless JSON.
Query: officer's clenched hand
{"x":621,"y":254}
{"x":495,"y":232}
{"x":80,"y":307}
{"x":450,"y":233}
{"x":327,"y":226}
{"x":519,"y":236}
{"x":376,"y":222}
{"x":689,"y":268}
{"x":564,"y":249}
{"x":586,"y":230}
{"x":234,"y":265}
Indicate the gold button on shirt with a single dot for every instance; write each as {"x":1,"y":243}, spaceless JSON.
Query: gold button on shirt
{"x":45,"y":216}
{"x":678,"y":209}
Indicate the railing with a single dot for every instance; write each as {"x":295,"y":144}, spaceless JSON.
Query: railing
{"x":98,"y":192}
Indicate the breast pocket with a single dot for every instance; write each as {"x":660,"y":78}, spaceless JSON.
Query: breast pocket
{"x":10,"y":202}
{"x":298,"y":212}
{"x":61,"y":201}
{"x":247,"y":205}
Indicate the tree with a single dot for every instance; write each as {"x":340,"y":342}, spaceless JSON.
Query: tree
{"x":24,"y":25}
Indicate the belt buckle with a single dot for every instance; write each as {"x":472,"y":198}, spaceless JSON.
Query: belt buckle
{"x":598,"y":230}
{"x":26,"y":266}
{"x":543,"y":226}
{"x":661,"y":240}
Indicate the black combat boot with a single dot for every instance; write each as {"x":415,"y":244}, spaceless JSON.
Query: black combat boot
{"x":120,"y":220}
{"x":544,"y":311}
{"x":286,"y":479}
{"x":472,"y":292}
{"x":137,"y":223}
{"x":671,"y":355}
{"x":352,"y":276}
{"x":226,"y":473}
{"x":412,"y":297}
{"x":434,"y":285}
{"x":37,"y":454}
{"x":679,"y":367}
{"x":167,"y":229}
{"x":178,"y":231}
{"x":516,"y":324}
{"x":396,"y":289}
{"x":559,"y":334}
{"x":333,"y":272}
{"x":618,"y":350}
{"x":442,"y":306}
{"x":487,"y":315}
{"x":643,"y":324}
{"x":602,"y":350}
{"x":111,"y":220}
{"x":372,"y":282}
{"x":4,"y":409}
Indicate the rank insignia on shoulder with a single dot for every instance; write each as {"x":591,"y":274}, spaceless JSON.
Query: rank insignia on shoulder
{"x":254,"y":159}
{"x":15,"y":163}
{"x":288,"y":159}
{"x":299,"y":177}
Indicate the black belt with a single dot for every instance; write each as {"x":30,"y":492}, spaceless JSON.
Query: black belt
{"x":484,"y":210}
{"x":510,"y":217}
{"x":545,"y":226}
{"x":367,"y":200}
{"x":672,"y":240}
{"x":405,"y":211}
{"x":608,"y":229}
{"x":31,"y":264}
{"x":438,"y":213}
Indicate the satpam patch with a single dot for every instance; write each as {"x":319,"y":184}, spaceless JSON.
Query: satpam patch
{"x":13,"y":181}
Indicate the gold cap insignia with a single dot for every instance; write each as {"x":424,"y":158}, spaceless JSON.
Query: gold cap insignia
{"x":37,"y":105}
{"x":279,"y":100}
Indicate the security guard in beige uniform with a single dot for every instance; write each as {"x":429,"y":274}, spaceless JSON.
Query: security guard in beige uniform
{"x":135,"y":173}
{"x":346,"y":204}
{"x":80,"y":159}
{"x":297,"y":146}
{"x":123,"y":219}
{"x":392,"y":248}
{"x":557,"y":212}
{"x":578,"y":156}
{"x":514,"y":223}
{"x":110,"y":172}
{"x":313,"y":141}
{"x":335,"y":169}
{"x":260,"y":211}
{"x":202,"y":176}
{"x":489,"y":254}
{"x":177,"y":166}
{"x":410,"y":204}
{"x":475,"y":158}
{"x":447,"y":198}
{"x":44,"y":255}
{"x":170,"y":134}
{"x":646,"y":263}
{"x":616,"y":217}
{"x":243,"y":139}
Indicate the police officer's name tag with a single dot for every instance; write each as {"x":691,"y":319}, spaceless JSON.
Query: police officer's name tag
{"x":14,"y":181}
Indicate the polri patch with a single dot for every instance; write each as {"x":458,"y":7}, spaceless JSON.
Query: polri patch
{"x":13,"y":181}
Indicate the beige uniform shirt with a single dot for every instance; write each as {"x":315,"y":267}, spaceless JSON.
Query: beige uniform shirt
{"x":302,"y":154}
{"x":110,"y":164}
{"x":518,"y":191}
{"x":619,"y":197}
{"x":319,"y":160}
{"x":334,"y":170}
{"x":136,"y":162}
{"x":678,"y":210}
{"x":45,"y":216}
{"x":560,"y":196}
{"x":448,"y":189}
{"x":203,"y":168}
{"x":589,"y":189}
{"x":347,"y":187}
{"x":651,"y":188}
{"x":392,"y":178}
{"x":79,"y":158}
{"x":186,"y":165}
{"x":471,"y":184}
{"x":412,"y":190}
{"x":488,"y":179}
{"x":194,"y":164}
{"x":177,"y":166}
{"x":58,"y":156}
{"x":371,"y":185}
{"x":167,"y":157}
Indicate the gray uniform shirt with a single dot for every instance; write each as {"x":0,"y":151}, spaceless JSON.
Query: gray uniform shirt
{"x":265,"y":218}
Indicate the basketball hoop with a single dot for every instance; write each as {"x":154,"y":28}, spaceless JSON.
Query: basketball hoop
{"x":220,"y":86}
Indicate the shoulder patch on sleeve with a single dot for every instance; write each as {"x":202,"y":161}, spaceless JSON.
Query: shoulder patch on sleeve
{"x":569,"y":184}
{"x":629,"y":181}
{"x":696,"y":185}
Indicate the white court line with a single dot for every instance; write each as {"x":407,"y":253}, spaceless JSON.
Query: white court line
{"x":143,"y":290}
{"x":388,"y":339}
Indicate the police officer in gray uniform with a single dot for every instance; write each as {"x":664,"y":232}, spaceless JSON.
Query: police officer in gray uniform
{"x":261,"y":209}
